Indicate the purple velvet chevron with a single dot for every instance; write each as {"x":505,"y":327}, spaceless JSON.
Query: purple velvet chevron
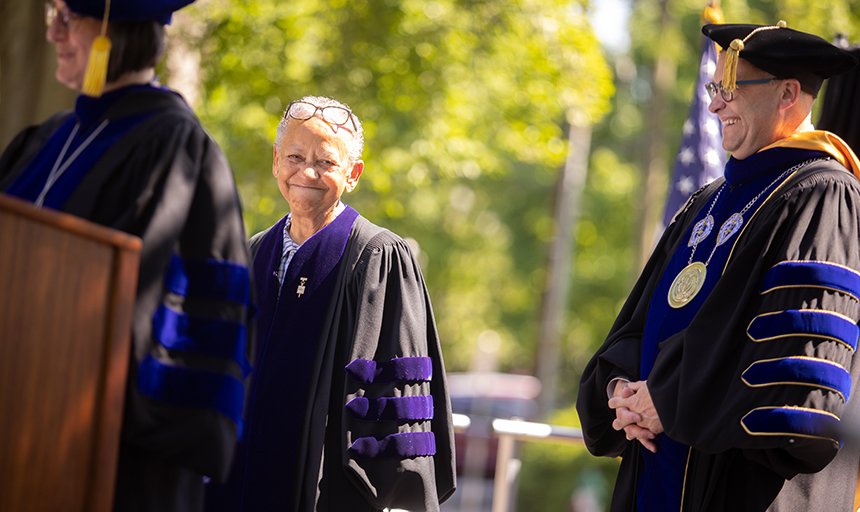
{"x":223,"y":338}
{"x":192,"y":387}
{"x":806,"y":322}
{"x":399,"y":369}
{"x":209,"y":279}
{"x":405,"y":408}
{"x":807,"y":371}
{"x":817,"y":274}
{"x":789,"y":421}
{"x":395,"y":446}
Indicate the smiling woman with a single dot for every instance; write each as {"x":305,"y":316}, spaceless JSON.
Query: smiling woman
{"x":350,"y":408}
{"x":314,"y":168}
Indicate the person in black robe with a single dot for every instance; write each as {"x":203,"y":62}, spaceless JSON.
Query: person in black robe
{"x":730,"y":367}
{"x":349,"y":407}
{"x":132,"y":156}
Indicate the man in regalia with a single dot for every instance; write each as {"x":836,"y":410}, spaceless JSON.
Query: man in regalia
{"x":729,"y":368}
{"x":349,"y":407}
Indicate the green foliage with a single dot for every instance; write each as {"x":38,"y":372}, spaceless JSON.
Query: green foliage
{"x":464,"y":105}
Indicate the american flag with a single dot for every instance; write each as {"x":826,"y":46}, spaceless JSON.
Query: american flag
{"x":700,"y":158}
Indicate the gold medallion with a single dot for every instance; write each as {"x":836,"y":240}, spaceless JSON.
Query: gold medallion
{"x":687,"y":284}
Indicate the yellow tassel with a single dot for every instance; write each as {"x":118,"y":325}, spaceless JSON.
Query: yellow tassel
{"x":782,"y":24}
{"x":713,"y":14}
{"x":96,"y":74}
{"x":730,"y":71}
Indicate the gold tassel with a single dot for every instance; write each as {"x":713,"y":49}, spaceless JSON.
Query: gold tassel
{"x":97,"y":66}
{"x":96,"y":75}
{"x":730,"y":71}
{"x":713,"y":14}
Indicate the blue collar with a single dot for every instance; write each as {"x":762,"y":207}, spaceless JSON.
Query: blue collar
{"x":765,"y":162}
{"x":90,"y":111}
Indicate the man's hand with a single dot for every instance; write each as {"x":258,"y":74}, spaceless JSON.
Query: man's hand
{"x":635,"y":413}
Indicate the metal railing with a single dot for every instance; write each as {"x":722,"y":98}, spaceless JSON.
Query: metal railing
{"x":509,"y":431}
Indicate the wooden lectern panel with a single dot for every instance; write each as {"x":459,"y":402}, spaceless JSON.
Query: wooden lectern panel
{"x":67,"y":289}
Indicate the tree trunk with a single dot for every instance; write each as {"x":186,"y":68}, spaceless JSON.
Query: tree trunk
{"x":655,"y":179}
{"x":571,"y":181}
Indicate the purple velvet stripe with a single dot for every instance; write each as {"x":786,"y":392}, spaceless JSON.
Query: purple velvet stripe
{"x":265,"y":267}
{"x":791,"y":421}
{"x":213,"y":336}
{"x":395,"y":446}
{"x":400,"y":369}
{"x":405,"y":408}
{"x":818,"y":274}
{"x":807,"y":322}
{"x":209,"y":279}
{"x":192,"y":387}
{"x":799,"y":370}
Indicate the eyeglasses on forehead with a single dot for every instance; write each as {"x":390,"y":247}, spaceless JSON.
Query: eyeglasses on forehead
{"x":331,"y":114}
{"x":67,"y":19}
{"x":728,"y":96}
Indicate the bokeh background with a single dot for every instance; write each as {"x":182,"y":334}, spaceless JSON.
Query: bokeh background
{"x":522,"y":147}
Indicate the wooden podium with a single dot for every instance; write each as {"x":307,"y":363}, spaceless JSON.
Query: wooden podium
{"x":67,"y":289}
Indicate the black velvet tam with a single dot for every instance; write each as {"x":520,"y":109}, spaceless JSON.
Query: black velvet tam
{"x":785,"y":53}
{"x":129,"y":10}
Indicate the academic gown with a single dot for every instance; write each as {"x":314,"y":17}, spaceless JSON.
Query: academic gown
{"x":754,"y":382}
{"x":350,"y":407}
{"x":153,"y":172}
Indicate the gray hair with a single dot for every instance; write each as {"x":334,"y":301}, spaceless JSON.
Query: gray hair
{"x":355,"y":147}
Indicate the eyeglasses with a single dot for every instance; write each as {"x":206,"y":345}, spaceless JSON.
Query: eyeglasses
{"x":332,"y":114}
{"x":713,"y":88}
{"x":69,"y":20}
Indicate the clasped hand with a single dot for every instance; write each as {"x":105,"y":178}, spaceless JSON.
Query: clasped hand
{"x":635,"y":413}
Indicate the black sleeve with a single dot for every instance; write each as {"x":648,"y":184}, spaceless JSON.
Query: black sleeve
{"x":24,"y":147}
{"x":192,"y":342}
{"x":394,"y":321}
{"x":766,"y":373}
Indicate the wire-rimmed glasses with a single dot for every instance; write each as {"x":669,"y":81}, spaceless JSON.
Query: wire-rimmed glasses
{"x":728,"y":96}
{"x":69,"y":20}
{"x":331,"y":114}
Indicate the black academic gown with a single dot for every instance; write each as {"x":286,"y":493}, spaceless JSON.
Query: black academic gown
{"x":350,"y":407}
{"x":161,"y":178}
{"x":730,"y":384}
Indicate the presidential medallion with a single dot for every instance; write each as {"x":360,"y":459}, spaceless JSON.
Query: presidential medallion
{"x":687,"y":284}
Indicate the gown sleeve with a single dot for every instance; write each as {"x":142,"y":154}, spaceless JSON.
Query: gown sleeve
{"x":192,"y":346}
{"x":766,"y":365}
{"x":24,"y":147}
{"x":397,"y":434}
